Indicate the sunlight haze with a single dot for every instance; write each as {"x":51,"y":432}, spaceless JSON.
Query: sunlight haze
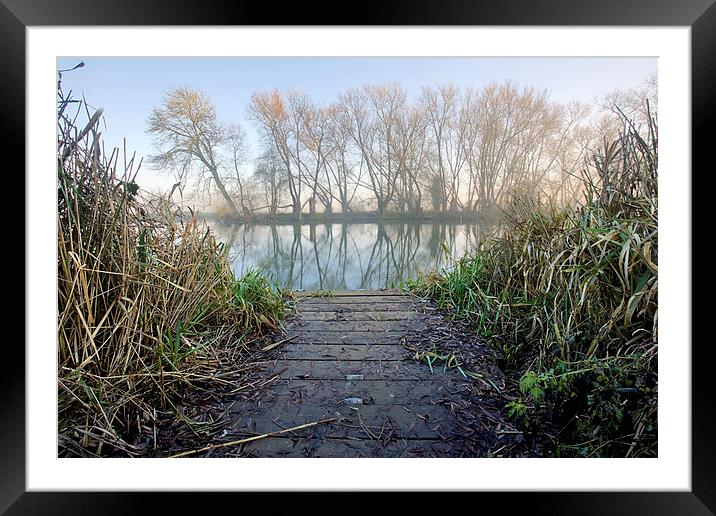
{"x":128,"y":88}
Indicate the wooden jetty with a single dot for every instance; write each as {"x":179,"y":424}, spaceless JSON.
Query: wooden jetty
{"x":343,"y":360}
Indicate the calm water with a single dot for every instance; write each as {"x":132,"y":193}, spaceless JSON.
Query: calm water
{"x":345,"y":256}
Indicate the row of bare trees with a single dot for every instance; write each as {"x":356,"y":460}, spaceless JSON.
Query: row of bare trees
{"x":448,"y":150}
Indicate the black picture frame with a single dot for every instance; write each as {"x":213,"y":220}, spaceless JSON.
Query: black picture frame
{"x":700,"y":15}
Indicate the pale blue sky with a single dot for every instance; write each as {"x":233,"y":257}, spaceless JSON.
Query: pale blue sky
{"x":127,"y":88}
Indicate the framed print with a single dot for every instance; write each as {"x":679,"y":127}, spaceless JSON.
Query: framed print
{"x":428,"y":231}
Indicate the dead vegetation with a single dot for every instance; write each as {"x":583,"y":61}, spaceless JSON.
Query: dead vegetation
{"x":569,"y":297}
{"x":148,"y":307}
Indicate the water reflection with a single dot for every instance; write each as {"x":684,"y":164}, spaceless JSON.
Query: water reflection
{"x":346,"y":256}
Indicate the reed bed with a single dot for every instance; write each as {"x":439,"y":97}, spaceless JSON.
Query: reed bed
{"x":569,"y":297}
{"x":148,"y":306}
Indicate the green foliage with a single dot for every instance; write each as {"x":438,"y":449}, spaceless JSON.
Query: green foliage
{"x":531,"y":384}
{"x":322,"y":293}
{"x":517,"y":411}
{"x":259,"y":300}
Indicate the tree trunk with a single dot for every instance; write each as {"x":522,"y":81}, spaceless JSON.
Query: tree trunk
{"x":223,"y":191}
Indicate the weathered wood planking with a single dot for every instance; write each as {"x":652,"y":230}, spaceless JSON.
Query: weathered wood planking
{"x":405,"y":421}
{"x":306,"y":307}
{"x":345,"y":360}
{"x":315,"y":337}
{"x":367,"y":352}
{"x":329,"y":294}
{"x":376,"y":327}
{"x":371,"y":392}
{"x":346,"y":448}
{"x":362,"y":315}
{"x":395,"y":370}
{"x":350,"y":300}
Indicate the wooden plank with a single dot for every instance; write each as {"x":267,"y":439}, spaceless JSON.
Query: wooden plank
{"x":338,"y":370}
{"x":345,"y":352}
{"x":329,"y":316}
{"x":306,"y":337}
{"x":411,"y":422}
{"x":306,"y":308}
{"x":335,"y":393}
{"x":346,"y":361}
{"x":346,"y":448}
{"x":354,"y":326}
{"x":369,"y":293}
{"x":348,"y":293}
{"x":356,"y":299}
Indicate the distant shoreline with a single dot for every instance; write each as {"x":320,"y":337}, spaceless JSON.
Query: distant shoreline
{"x":374,"y":217}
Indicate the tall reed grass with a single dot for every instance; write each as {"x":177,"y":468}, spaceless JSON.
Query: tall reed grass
{"x":147,"y":303}
{"x":569,"y":297}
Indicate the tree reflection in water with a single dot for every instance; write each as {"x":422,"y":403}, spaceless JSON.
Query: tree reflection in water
{"x":346,"y":256}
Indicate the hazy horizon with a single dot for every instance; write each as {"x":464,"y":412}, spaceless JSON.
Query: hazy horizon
{"x":229,"y":83}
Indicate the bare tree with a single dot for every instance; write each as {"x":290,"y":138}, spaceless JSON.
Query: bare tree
{"x":463,"y":149}
{"x":188,"y":137}
{"x":581,"y":142}
{"x":313,"y":137}
{"x":448,"y":128}
{"x":493,"y":115}
{"x":268,"y":110}
{"x":339,"y":163}
{"x":410,"y":151}
{"x":373,"y":114}
{"x":272,"y":177}
{"x":238,"y":149}
{"x":509,"y":141}
{"x":631,"y":103}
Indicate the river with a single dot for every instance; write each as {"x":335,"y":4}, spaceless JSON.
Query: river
{"x":349,"y":256}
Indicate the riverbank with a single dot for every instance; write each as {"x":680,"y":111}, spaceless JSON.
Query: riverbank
{"x":150,"y":314}
{"x":569,"y":299}
{"x":485,"y":216}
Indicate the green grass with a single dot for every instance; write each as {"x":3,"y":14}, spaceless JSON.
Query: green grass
{"x":322,"y":293}
{"x":259,"y":298}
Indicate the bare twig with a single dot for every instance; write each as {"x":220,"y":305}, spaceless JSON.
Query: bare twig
{"x":271,"y":346}
{"x":254,"y":438}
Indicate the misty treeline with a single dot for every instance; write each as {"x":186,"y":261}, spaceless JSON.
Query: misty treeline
{"x":446,"y":150}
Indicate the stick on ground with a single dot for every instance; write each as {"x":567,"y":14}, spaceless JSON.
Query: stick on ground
{"x":254,"y":438}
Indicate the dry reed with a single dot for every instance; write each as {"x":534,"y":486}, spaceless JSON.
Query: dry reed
{"x":147,"y":303}
{"x":569,"y":296}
